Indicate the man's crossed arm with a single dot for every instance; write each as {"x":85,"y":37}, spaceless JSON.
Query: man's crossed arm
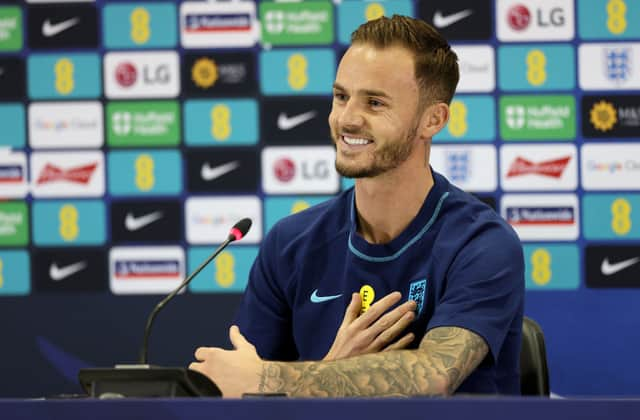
{"x":446,"y":356}
{"x":368,"y":364}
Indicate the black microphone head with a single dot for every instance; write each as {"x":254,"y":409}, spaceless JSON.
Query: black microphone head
{"x":240,"y":229}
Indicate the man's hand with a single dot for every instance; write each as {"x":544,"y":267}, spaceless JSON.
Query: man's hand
{"x":234,"y":371}
{"x":372,"y":331}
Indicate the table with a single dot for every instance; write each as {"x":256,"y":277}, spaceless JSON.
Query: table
{"x":458,"y":408}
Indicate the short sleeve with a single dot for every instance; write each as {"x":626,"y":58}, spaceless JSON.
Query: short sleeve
{"x":484,"y":287}
{"x":264,"y":316}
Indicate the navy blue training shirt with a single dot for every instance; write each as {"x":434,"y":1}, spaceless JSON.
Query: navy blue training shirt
{"x":459,"y":260}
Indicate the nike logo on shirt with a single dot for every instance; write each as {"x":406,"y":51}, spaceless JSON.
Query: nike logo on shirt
{"x":209,"y":174}
{"x":319,"y":299}
{"x":52,"y":29}
{"x":60,"y":273}
{"x":133,"y":223}
{"x":441,"y":21}
{"x":286,"y":123}
{"x":609,"y":269}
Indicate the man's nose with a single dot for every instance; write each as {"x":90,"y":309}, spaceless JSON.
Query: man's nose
{"x":350,"y":116}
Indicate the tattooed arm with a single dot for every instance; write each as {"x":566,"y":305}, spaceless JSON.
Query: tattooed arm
{"x":446,"y":356}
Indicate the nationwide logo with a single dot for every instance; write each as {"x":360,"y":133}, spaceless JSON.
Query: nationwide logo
{"x":11,"y":174}
{"x":540,"y":217}
{"x":78,"y":175}
{"x":537,"y":117}
{"x":145,"y":269}
{"x":146,"y":74}
{"x":523,"y":216}
{"x":297,"y":23}
{"x":199,"y":23}
{"x":612,"y":266}
{"x":13,"y":170}
{"x":528,"y":21}
{"x":611,"y":116}
{"x":218,"y":24}
{"x":65,"y":124}
{"x":550,"y":168}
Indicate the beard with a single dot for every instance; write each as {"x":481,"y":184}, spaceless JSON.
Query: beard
{"x":381,"y":160}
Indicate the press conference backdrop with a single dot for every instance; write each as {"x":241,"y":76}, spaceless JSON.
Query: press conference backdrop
{"x":135,"y":133}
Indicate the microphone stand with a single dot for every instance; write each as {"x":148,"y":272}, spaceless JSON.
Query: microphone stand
{"x":143,"y":380}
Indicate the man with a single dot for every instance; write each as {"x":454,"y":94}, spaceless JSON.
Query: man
{"x":403,"y":228}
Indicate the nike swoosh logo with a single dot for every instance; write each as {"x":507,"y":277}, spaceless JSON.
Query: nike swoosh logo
{"x":609,"y":269}
{"x":287,"y":123}
{"x":441,"y":21}
{"x":209,"y":174}
{"x":133,"y":223}
{"x":50,"y":29}
{"x":319,"y":299}
{"x":60,"y":273}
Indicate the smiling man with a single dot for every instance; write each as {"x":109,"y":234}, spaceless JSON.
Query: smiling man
{"x":403,"y":230}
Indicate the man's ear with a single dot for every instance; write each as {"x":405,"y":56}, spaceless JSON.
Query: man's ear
{"x":434,"y":118}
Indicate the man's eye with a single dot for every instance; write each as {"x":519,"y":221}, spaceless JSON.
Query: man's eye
{"x":340,"y":96}
{"x":374,"y":103}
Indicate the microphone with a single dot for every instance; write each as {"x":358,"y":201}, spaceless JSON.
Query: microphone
{"x":237,"y":232}
{"x":143,"y":380}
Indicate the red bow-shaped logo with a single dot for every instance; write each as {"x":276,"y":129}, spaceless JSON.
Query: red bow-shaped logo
{"x":551,"y":168}
{"x":79,"y":175}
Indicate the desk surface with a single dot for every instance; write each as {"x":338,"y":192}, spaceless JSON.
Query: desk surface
{"x":325,"y":409}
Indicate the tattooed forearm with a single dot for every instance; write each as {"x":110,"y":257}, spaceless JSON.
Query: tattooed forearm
{"x":426,"y":371}
{"x":456,"y":350}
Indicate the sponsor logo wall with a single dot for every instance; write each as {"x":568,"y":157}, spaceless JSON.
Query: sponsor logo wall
{"x":134,"y":134}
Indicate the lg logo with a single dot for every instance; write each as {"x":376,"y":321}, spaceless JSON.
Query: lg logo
{"x":285,"y":170}
{"x":519,"y":17}
{"x":127,"y":74}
